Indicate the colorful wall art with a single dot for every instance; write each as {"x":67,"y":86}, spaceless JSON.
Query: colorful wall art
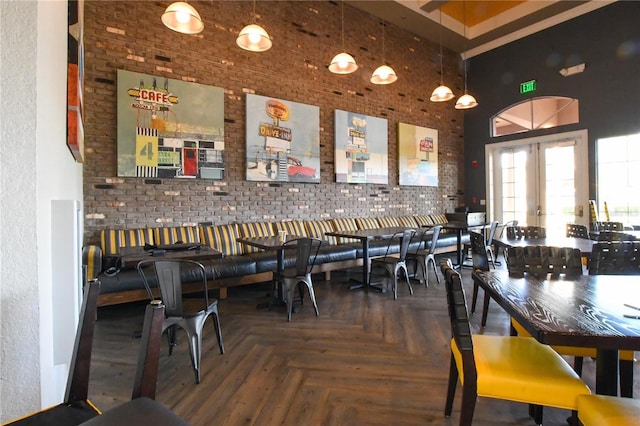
{"x":75,"y":79}
{"x":169,"y":128}
{"x":283,"y":140}
{"x":417,"y":155}
{"x":361,"y":148}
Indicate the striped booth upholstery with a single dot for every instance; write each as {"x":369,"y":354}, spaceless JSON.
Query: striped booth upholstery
{"x":345,"y":224}
{"x":293,"y":228}
{"x":92,"y":259}
{"x":222,"y":238}
{"x":388,"y":221}
{"x":112,"y":239}
{"x":256,"y":229}
{"x":317,"y":228}
{"x":423,"y":220}
{"x":367,"y":223}
{"x":439,"y":219}
{"x":408,"y":221}
{"x":176,"y":234}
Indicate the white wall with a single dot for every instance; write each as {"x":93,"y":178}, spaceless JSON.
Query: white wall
{"x":35,"y":169}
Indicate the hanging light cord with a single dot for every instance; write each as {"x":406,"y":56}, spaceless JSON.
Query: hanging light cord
{"x":342,"y":13}
{"x":441,"y":66}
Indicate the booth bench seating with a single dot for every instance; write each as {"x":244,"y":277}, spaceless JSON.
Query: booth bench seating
{"x":242,"y":264}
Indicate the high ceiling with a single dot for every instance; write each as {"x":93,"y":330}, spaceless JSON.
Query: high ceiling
{"x":472,"y":27}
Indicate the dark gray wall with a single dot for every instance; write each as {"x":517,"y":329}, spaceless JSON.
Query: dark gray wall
{"x":607,"y":40}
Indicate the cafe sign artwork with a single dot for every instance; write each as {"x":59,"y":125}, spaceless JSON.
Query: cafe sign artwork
{"x":169,"y":128}
{"x":283,"y":140}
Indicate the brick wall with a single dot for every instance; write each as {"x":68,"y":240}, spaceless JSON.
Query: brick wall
{"x":306,"y":35}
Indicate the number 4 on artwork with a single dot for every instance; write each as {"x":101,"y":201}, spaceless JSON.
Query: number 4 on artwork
{"x":146,"y":150}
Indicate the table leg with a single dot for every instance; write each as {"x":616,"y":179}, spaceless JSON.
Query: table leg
{"x":607,"y":372}
{"x":276,"y":298}
{"x":459,"y":248}
{"x":365,"y":266}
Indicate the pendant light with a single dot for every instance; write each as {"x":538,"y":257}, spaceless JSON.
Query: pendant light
{"x":384,"y":74}
{"x":183,"y":18}
{"x":253,"y":37}
{"x":465,"y":101}
{"x":441,"y":93}
{"x":343,"y":63}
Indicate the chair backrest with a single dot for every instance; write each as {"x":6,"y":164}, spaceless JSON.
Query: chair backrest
{"x":614,"y":236}
{"x":543,"y":260}
{"x":577,"y":231}
{"x":405,"y":240}
{"x":479,"y":251}
{"x":167,"y":275}
{"x":80,"y":366}
{"x":460,"y":329}
{"x":504,"y":226}
{"x":144,"y":384}
{"x":432,"y":235}
{"x":608,"y":226}
{"x":526,"y":232}
{"x":306,"y":253}
{"x":615,"y":258}
{"x":492,"y":232}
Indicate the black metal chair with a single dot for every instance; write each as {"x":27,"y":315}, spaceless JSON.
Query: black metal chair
{"x":425,"y":255}
{"x":480,"y":263}
{"x":500,"y":231}
{"x":76,"y":407}
{"x":306,"y":253}
{"x":394,"y":264}
{"x":143,"y":409}
{"x":503,"y":367}
{"x":489,"y":243}
{"x":189,"y":314}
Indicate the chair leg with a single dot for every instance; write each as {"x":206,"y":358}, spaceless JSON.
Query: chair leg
{"x":474,"y":296}
{"x":469,"y":398}
{"x":290,"y":288}
{"x":406,"y":275}
{"x":626,"y":378}
{"x":578,"y":361}
{"x":172,"y":338}
{"x":435,"y":268}
{"x":490,"y":255}
{"x":216,"y":325}
{"x":485,"y":309}
{"x":195,"y":349}
{"x":312,"y":296}
{"x":536,"y":412}
{"x":451,"y":388}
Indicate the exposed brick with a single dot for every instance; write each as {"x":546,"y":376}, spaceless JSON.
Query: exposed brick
{"x":306,"y":35}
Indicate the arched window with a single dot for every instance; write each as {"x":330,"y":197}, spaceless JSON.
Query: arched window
{"x":537,"y":113}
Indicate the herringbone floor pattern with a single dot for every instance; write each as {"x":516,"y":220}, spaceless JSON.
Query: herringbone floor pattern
{"x":366,"y":360}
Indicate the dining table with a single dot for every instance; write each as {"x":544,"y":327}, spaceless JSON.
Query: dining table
{"x":599,"y":311}
{"x":365,"y":236}
{"x":130,"y":256}
{"x":277,"y":243}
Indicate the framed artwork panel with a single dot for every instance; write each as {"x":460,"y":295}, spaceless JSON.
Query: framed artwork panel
{"x":417,"y":155}
{"x":283,"y":140}
{"x":169,"y":128}
{"x":361,"y":148}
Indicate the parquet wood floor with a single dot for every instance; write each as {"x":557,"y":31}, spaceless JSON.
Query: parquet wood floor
{"x":366,"y":360}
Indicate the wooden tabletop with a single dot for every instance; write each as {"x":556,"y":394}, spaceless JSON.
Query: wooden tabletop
{"x":130,"y":256}
{"x":369,"y":234}
{"x":585,"y":311}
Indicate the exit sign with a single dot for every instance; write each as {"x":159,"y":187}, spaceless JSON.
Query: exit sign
{"x":528,"y":86}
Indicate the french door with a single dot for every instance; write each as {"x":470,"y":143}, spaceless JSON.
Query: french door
{"x":539,"y":181}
